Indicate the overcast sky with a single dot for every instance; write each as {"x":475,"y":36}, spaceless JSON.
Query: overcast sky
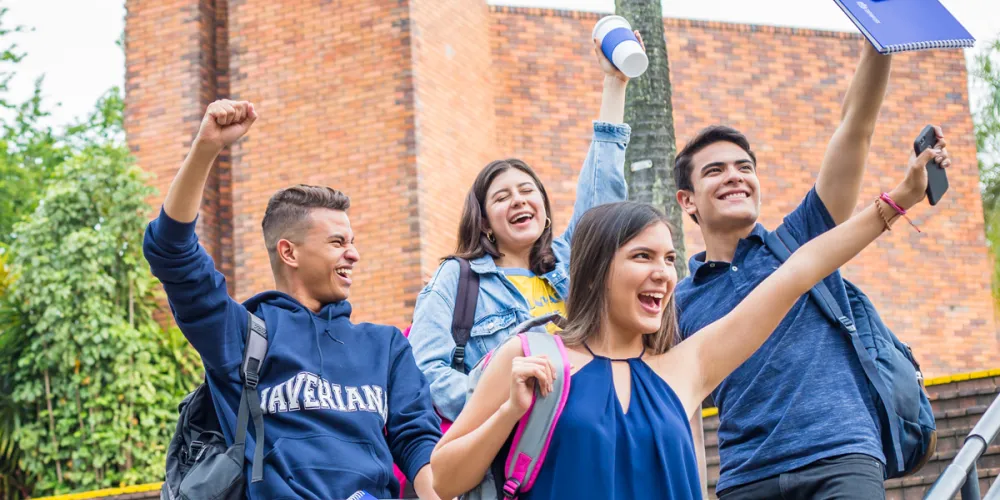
{"x":73,"y":42}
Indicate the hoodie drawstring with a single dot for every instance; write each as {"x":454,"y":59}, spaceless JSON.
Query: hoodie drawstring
{"x":318,"y":348}
{"x":329,"y":319}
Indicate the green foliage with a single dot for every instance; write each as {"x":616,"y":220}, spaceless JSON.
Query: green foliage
{"x":12,"y":478}
{"x":89,"y":381}
{"x":96,"y":367}
{"x":29,"y":151}
{"x":987,"y":121}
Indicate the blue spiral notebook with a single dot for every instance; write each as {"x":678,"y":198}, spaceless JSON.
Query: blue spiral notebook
{"x":902,"y":25}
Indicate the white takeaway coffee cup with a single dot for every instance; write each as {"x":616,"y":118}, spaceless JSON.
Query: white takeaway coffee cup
{"x":620,"y":45}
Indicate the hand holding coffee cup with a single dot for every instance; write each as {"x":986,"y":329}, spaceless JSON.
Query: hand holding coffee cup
{"x":619,"y":45}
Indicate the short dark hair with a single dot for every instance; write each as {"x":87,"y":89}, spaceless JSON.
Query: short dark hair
{"x":472,"y":240}
{"x":287,"y":213}
{"x":710,"y":135}
{"x":705,"y":138}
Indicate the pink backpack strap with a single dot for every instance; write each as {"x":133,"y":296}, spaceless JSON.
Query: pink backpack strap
{"x":534,"y":431}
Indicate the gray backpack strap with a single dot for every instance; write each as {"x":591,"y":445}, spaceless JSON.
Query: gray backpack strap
{"x":253,"y":356}
{"x":534,"y":431}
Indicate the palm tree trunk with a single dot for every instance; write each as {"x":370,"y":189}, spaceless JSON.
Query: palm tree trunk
{"x":648,"y":109}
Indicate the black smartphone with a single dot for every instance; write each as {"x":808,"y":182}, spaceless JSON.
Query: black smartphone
{"x":937,"y":179}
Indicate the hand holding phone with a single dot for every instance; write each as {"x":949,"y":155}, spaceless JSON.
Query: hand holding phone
{"x":937,"y":179}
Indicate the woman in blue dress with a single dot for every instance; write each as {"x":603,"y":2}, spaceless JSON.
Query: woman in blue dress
{"x":624,"y":432}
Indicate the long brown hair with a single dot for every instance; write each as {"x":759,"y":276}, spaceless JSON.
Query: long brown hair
{"x":599,"y":234}
{"x":472,"y":240}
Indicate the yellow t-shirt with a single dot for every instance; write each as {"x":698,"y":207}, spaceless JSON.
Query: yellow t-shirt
{"x":541,"y":297}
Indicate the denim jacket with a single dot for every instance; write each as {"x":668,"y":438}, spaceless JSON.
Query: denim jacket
{"x":500,"y":306}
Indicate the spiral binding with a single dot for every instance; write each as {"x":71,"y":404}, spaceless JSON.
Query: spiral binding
{"x":936,"y":44}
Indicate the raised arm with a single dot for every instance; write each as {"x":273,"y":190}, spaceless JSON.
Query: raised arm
{"x":197,"y":292}
{"x":843,"y":166}
{"x":602,"y":178}
{"x":224,"y":123}
{"x":699,"y":364}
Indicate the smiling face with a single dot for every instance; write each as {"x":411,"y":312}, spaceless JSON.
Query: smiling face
{"x":622,"y":277}
{"x":726,"y":193}
{"x":515,"y":211}
{"x":641,"y":281}
{"x":325,"y":258}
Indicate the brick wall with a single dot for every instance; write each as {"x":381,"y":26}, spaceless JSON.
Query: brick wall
{"x":170,"y":76}
{"x":452,"y":71}
{"x":783,"y":88}
{"x":399,"y":103}
{"x":333,"y":84}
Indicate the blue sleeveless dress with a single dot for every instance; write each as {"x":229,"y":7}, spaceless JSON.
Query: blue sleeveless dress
{"x":599,"y":451}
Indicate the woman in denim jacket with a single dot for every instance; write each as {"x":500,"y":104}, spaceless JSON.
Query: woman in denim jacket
{"x":506,"y":235}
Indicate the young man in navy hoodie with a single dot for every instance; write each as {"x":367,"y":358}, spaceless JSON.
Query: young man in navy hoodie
{"x":341,"y":401}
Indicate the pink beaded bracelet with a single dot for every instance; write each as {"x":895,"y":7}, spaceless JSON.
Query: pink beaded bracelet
{"x":899,"y":210}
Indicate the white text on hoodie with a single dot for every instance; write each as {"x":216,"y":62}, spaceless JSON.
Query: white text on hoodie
{"x":308,"y":391}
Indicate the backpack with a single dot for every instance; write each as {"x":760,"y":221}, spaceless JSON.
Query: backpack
{"x":199,"y":465}
{"x":894,"y":378}
{"x":465,"y":313}
{"x":463,"y":317}
{"x":519,"y":460}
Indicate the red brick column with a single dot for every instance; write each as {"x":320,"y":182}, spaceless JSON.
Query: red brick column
{"x":455,"y":122}
{"x":173,"y":54}
{"x":333,"y":85}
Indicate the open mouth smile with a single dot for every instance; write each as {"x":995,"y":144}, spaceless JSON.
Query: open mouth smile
{"x":345,"y":274}
{"x":521,"y":219}
{"x":652,"y":302}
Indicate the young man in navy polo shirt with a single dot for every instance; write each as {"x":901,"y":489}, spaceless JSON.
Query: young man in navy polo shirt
{"x":796,"y":419}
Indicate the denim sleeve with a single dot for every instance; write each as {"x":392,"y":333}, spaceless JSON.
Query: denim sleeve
{"x":430,"y":337}
{"x":602,"y":179}
{"x":810,"y":219}
{"x":210,"y":319}
{"x":412,"y":427}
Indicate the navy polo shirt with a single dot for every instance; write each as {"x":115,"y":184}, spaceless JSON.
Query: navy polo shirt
{"x":803,"y":395}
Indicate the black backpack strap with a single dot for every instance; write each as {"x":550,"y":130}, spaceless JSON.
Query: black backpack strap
{"x":465,"y":312}
{"x":253,"y":356}
{"x":783,"y":244}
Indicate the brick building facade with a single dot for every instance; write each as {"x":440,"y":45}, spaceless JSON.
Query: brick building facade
{"x":400,"y":103}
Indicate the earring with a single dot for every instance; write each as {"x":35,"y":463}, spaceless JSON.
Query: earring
{"x":548,"y":223}
{"x":489,"y":236}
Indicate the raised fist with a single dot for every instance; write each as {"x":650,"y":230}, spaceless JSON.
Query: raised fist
{"x":225,"y":122}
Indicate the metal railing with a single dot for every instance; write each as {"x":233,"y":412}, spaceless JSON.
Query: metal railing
{"x":961,"y":474}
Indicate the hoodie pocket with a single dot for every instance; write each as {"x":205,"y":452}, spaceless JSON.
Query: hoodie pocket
{"x":314,"y":464}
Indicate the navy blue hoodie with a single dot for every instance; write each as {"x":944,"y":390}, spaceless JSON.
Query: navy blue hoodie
{"x":341,"y":401}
